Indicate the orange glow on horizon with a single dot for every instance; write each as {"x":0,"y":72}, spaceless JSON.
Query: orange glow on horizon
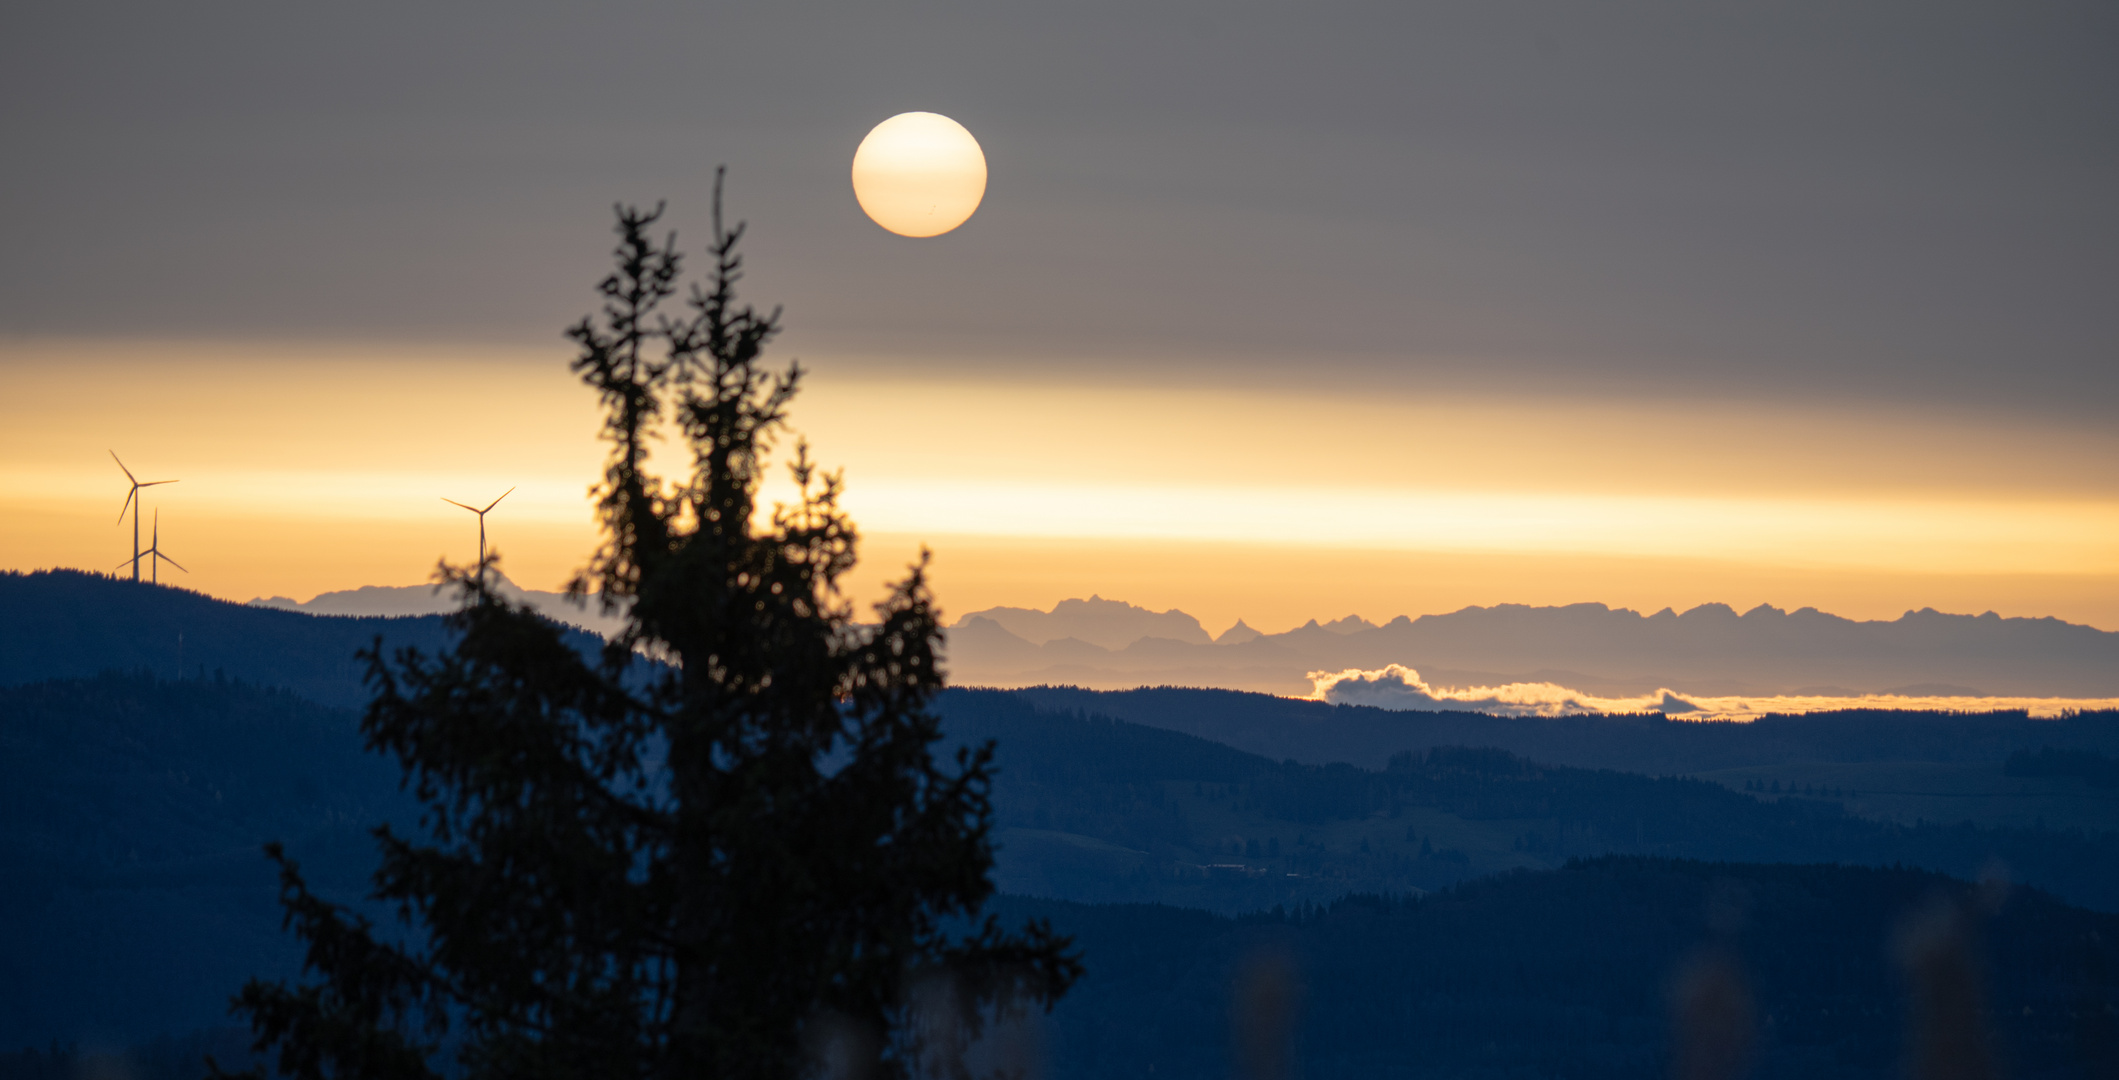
{"x":310,"y":468}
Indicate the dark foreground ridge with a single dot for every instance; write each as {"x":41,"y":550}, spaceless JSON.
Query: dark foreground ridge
{"x":134,"y":895}
{"x":1572,"y":972}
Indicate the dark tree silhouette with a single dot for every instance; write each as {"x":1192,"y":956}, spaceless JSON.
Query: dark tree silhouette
{"x":723,"y":847}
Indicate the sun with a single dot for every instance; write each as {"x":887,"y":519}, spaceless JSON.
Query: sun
{"x":919,"y":174}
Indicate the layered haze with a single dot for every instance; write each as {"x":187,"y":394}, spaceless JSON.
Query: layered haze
{"x":1513,"y":659}
{"x":307,"y":470}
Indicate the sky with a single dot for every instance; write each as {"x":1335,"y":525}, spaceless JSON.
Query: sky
{"x":1271,"y":311}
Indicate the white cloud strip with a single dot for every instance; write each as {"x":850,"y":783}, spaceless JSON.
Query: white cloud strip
{"x":1402,"y":689}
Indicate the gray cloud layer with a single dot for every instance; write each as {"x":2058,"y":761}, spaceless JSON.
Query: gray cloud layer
{"x":1805,"y":200}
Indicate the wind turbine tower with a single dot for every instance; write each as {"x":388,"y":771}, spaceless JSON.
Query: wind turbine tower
{"x":154,"y":555}
{"x":481,"y":526}
{"x":132,"y":503}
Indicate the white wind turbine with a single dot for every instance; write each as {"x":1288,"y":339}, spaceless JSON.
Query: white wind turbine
{"x":481,"y":525}
{"x":132,"y":503}
{"x":153,"y":554}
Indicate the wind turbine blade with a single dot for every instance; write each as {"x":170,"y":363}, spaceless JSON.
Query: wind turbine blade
{"x":453,"y":502}
{"x":128,"y":503}
{"x":170,"y":561}
{"x":152,"y":483}
{"x":121,"y":465}
{"x":123,"y":563}
{"x":496,"y":502}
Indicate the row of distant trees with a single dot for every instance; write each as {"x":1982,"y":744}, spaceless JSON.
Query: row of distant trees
{"x":2088,"y":766}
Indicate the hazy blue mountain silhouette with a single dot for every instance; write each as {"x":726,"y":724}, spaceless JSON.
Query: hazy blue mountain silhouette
{"x":66,"y":624}
{"x":1710,"y":649}
{"x":400,"y":600}
{"x":1108,"y":624}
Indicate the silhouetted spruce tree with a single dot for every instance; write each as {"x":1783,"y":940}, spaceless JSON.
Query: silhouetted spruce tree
{"x":727,"y":860}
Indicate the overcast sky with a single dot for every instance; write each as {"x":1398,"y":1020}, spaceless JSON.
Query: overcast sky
{"x":1817,"y":202}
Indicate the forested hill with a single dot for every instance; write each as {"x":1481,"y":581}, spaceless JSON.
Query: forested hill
{"x":134,"y":895}
{"x":1313,"y":731}
{"x":122,"y":775}
{"x":58,"y":624}
{"x":1095,"y":808}
{"x":1561,"y":973}
{"x":1571,"y":973}
{"x":131,"y":810}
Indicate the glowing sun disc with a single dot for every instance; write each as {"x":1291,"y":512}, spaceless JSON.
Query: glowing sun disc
{"x":919,"y":174}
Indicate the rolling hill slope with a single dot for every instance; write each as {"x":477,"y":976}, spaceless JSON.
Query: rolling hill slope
{"x":1571,"y":973}
{"x":1100,"y":809}
{"x":57,"y":624}
{"x":1314,"y":731}
{"x":132,"y":805}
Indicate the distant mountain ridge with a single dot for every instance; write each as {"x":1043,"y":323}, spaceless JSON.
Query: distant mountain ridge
{"x":65,"y":623}
{"x":1710,"y":649}
{"x":392,"y":601}
{"x":1107,"y":624}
